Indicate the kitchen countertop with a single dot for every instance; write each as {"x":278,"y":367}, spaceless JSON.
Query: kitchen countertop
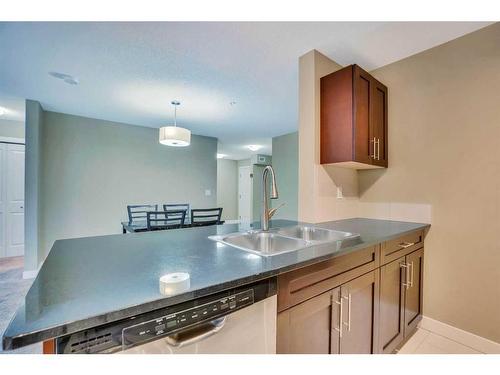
{"x":85,"y":282}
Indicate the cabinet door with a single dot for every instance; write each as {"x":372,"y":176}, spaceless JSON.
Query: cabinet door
{"x":413,"y":298}
{"x":360,"y":315}
{"x":378,"y":123}
{"x":363,"y":140}
{"x":306,"y":327}
{"x":392,"y":299}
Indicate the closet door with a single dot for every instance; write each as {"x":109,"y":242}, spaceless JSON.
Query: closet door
{"x":13,"y":175}
{"x":2,"y":199}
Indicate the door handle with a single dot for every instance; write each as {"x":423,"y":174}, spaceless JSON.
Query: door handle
{"x":406,"y":267}
{"x":348,"y":324}
{"x":207,"y":330}
{"x":378,"y":149}
{"x":339,"y":330}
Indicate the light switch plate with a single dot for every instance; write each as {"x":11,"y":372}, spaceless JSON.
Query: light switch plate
{"x":208,"y":192}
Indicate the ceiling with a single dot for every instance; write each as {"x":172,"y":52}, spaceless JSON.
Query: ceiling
{"x":129,"y":72}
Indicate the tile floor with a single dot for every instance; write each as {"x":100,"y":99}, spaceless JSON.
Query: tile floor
{"x":426,"y":342}
{"x":12,"y":291}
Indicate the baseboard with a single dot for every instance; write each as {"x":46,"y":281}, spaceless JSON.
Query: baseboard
{"x":30,"y":274}
{"x":471,"y":340}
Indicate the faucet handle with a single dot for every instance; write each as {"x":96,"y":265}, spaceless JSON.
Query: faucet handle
{"x":272,"y":211}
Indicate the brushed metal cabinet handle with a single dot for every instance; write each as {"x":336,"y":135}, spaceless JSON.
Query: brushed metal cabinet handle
{"x":411,"y":275}
{"x":339,"y":330}
{"x":406,"y":267}
{"x":348,"y":324}
{"x":378,"y":149}
{"x":374,"y":156}
{"x":404,"y":245}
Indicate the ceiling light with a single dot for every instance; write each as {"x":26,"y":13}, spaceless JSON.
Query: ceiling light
{"x":3,"y":111}
{"x":221,"y":156}
{"x":173,"y":135}
{"x":254,"y":147}
{"x":65,"y":78}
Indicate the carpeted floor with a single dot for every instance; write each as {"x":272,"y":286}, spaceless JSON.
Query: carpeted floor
{"x":13,"y":288}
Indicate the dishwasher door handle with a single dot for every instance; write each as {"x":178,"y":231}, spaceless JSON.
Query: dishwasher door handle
{"x":196,"y":334}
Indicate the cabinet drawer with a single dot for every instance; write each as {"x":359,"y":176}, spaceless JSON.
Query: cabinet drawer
{"x":297,"y":286}
{"x":401,"y":246}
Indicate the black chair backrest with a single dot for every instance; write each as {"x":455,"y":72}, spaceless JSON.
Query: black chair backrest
{"x":138,"y":212}
{"x":206,"y":216}
{"x":165,"y":219}
{"x":178,"y":206}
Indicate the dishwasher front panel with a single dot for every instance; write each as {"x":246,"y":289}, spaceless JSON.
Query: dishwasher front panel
{"x":179,"y":325}
{"x":251,"y":330}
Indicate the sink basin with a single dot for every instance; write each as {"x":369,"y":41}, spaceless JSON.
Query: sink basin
{"x":262,"y":243}
{"x":315,"y":234}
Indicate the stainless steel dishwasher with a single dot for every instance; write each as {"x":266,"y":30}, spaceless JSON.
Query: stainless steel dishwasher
{"x":240,"y":321}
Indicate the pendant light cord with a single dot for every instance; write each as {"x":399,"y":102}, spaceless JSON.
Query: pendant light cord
{"x":175,"y":115}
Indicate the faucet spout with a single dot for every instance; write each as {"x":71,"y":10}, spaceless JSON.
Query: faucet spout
{"x":266,"y":212}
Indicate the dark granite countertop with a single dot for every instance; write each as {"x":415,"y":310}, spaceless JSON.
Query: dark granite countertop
{"x":86,"y":282}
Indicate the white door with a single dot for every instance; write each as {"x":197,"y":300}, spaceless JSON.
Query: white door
{"x":245,"y":195}
{"x":12,"y":200}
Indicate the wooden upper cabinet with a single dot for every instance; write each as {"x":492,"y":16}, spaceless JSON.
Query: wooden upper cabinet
{"x":353,"y":119}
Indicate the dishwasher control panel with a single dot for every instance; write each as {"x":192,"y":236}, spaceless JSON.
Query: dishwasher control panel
{"x":171,"y":320}
{"x":169,"y":324}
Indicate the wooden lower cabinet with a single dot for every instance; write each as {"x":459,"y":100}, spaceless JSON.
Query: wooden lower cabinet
{"x":342,"y":320}
{"x":392,"y":305}
{"x":356,"y":316}
{"x":400,"y":300}
{"x":413,"y":291}
{"x":369,"y":303}
{"x":305,"y":328}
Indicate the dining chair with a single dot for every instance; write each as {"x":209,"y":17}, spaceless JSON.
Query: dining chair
{"x":205,"y":216}
{"x":159,"y":220}
{"x":178,"y":206}
{"x":138,"y":212}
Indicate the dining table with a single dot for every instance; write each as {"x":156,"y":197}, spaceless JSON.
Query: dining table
{"x":142,"y":226}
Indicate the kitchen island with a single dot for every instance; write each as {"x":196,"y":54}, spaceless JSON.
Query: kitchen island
{"x":86,"y":282}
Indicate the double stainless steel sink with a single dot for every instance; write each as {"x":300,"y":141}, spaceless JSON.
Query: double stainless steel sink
{"x":281,"y":240}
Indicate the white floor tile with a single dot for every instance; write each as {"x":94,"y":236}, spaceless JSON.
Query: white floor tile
{"x":413,"y":343}
{"x":425,"y":342}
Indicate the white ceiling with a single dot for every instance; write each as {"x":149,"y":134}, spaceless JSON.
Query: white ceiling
{"x":129,"y":72}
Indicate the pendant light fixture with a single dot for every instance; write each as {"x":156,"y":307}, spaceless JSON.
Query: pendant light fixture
{"x":173,"y":135}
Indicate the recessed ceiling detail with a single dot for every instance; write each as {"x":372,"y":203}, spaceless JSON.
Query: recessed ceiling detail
{"x":70,"y":80}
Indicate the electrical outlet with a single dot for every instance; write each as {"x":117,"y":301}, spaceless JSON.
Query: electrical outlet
{"x":340,"y":195}
{"x":208,"y":192}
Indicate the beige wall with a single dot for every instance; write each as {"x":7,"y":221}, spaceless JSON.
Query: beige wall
{"x":11,"y":129}
{"x":227,"y":188}
{"x":444,"y":138}
{"x":444,"y":168}
{"x":318,"y":184}
{"x":91,"y":169}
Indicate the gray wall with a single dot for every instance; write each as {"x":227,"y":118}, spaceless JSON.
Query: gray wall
{"x":12,"y":129}
{"x":93,"y":168}
{"x":227,"y":188}
{"x":34,"y":126}
{"x":285,"y":163}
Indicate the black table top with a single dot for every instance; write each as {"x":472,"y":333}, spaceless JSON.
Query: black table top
{"x":89,"y":281}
